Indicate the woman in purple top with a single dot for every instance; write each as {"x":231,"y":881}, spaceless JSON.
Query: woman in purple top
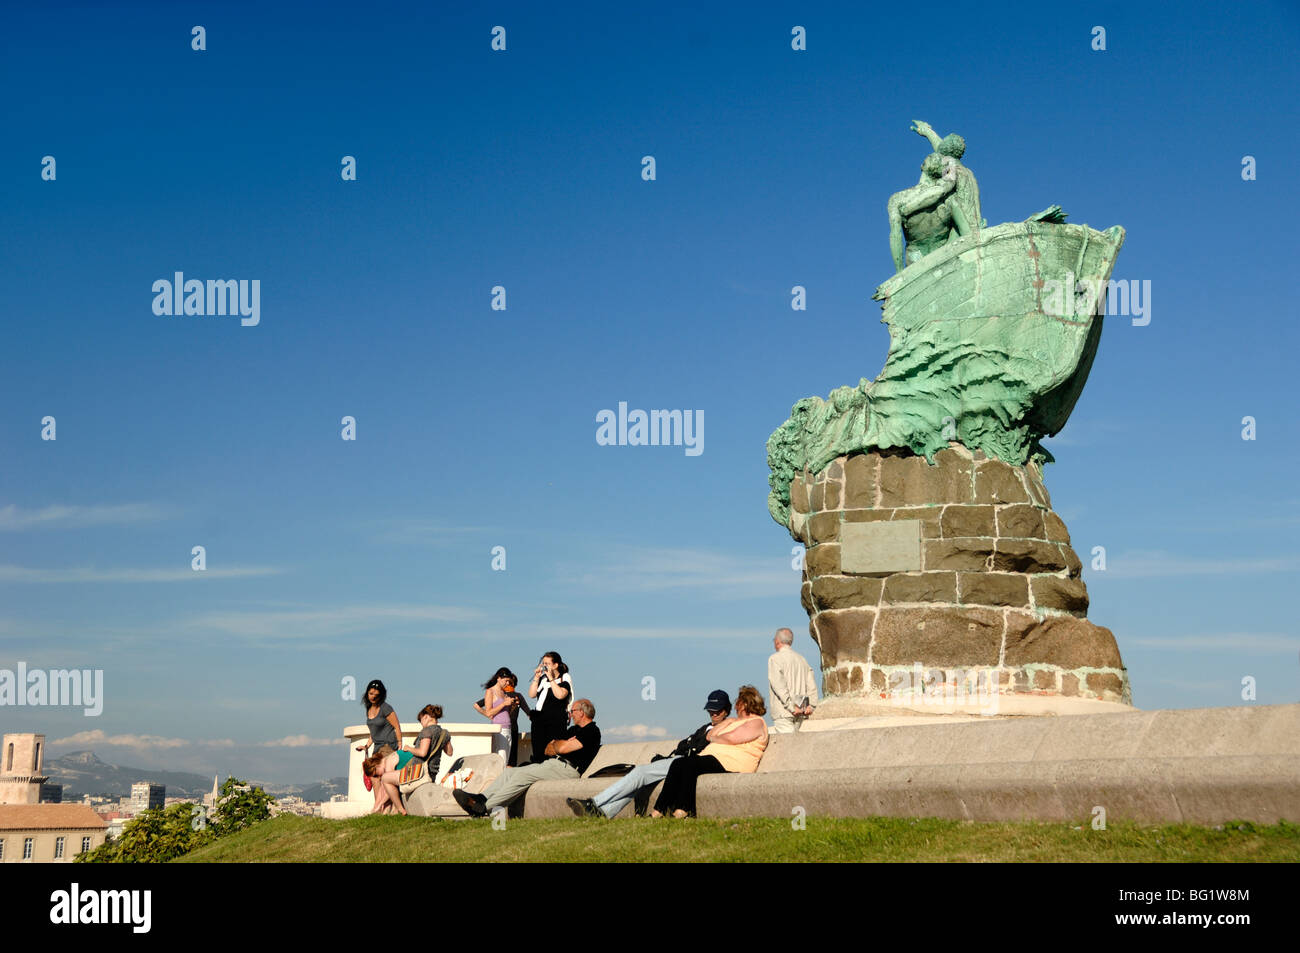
{"x":500,"y":706}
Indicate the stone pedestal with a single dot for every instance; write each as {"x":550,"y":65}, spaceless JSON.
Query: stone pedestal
{"x":955,"y":577}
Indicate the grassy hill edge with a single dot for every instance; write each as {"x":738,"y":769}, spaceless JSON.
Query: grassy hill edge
{"x":293,"y":839}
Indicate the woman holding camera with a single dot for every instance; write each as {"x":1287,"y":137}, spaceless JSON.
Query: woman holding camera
{"x":553,"y":689}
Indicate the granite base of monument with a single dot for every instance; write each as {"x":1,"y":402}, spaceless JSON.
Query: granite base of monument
{"x":946,"y":584}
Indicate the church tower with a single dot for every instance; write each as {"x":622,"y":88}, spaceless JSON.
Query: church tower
{"x":21,"y":758}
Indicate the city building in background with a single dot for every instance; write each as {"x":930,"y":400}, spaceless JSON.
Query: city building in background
{"x":146,"y":795}
{"x":48,"y":833}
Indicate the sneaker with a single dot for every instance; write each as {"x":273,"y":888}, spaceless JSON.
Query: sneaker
{"x":475,"y":805}
{"x":583,"y":807}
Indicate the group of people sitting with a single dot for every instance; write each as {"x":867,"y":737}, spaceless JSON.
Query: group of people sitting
{"x":726,"y":743}
{"x":723,"y":744}
{"x":564,"y":751}
{"x":389,"y":767}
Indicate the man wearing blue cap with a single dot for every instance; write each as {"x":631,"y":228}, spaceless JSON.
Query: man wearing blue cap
{"x":618,"y":795}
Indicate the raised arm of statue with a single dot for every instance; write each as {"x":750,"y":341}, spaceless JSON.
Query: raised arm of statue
{"x":923,"y":128}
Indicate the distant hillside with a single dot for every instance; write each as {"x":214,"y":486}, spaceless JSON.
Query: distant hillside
{"x":316,"y":791}
{"x":324,"y":790}
{"x":82,"y":773}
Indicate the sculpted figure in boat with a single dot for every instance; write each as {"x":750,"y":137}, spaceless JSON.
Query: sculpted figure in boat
{"x":983,"y":350}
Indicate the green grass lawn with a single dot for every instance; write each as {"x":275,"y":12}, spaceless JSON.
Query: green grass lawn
{"x":412,"y":839}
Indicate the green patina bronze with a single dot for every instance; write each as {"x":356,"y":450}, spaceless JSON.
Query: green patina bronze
{"x":992,"y":333}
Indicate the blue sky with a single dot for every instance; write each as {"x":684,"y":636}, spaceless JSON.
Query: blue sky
{"x":476,"y":428}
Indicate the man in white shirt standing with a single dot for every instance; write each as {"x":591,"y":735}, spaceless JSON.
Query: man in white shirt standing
{"x":792,"y":688}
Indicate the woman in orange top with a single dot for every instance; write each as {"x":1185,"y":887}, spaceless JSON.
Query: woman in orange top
{"x":734,"y":746}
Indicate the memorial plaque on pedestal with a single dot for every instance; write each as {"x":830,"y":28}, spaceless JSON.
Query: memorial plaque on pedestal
{"x":880,"y":548}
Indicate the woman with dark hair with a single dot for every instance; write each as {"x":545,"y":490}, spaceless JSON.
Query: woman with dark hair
{"x":736,"y":745}
{"x":500,"y":706}
{"x":510,"y":686}
{"x":385,"y":729}
{"x":553,"y":689}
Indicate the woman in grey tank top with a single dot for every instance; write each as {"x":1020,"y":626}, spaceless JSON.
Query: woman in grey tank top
{"x":385,"y":729}
{"x":431,"y":733}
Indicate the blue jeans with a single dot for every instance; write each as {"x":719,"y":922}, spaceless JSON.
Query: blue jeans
{"x":619,"y":794}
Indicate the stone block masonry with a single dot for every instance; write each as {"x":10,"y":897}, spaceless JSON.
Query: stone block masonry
{"x":978,"y":581}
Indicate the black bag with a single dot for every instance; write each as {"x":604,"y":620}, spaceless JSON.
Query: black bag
{"x":688,"y":747}
{"x":613,"y":771}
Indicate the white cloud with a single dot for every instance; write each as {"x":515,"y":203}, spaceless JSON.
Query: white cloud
{"x":14,"y":518}
{"x":1206,"y":689}
{"x":554,"y":633}
{"x":718,"y":574}
{"x":636,"y":732}
{"x":1155,"y":563}
{"x":325,"y":623}
{"x":753,"y":291}
{"x":301,"y":741}
{"x":416,"y":531}
{"x":155,"y":742}
{"x":98,"y":737}
{"x":24,"y":574}
{"x":1253,"y":643}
